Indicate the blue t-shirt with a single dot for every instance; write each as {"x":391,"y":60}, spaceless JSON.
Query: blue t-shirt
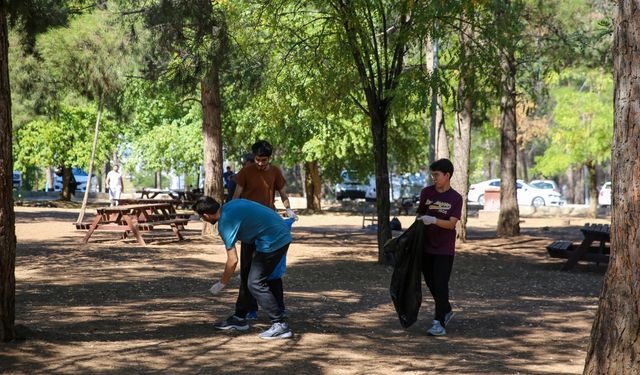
{"x":250,"y":222}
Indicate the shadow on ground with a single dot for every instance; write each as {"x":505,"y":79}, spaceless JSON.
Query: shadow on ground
{"x":113,"y":307}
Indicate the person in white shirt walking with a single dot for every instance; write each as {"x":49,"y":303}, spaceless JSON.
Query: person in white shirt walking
{"x":115,"y":185}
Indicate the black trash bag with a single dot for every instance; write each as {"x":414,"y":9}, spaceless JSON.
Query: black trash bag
{"x":395,"y":224}
{"x":405,"y":254}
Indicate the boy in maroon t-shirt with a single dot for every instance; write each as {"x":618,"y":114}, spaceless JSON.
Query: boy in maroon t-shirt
{"x":441,"y":208}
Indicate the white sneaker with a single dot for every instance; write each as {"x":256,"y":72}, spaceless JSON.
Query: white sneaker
{"x":436,"y":329}
{"x":277,"y":331}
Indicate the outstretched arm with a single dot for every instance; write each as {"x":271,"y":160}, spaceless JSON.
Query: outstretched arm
{"x":230,"y":266}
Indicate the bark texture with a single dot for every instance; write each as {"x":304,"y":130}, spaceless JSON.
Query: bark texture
{"x":212,"y":139}
{"x":509,"y":217}
{"x":462,"y":133}
{"x":7,"y":216}
{"x":313,"y":186}
{"x":593,"y":189}
{"x":615,"y":336}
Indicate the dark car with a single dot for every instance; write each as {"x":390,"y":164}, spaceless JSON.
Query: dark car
{"x":17,"y":179}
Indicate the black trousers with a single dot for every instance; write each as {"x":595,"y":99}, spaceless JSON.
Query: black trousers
{"x":436,"y":270}
{"x":262,"y":265}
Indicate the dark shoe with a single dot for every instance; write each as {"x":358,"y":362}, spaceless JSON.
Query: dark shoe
{"x":251,"y":315}
{"x":233,"y":322}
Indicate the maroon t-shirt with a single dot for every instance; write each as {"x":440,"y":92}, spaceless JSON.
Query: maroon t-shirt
{"x":443,"y":206}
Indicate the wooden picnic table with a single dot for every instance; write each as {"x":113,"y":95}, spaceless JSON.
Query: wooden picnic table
{"x":598,"y":253}
{"x":151,"y":193}
{"x":135,"y":218}
{"x":175,"y":203}
{"x":175,"y":194}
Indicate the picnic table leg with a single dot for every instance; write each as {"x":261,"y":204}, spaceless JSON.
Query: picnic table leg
{"x":577,"y":254}
{"x":92,"y":228}
{"x":176,"y":230}
{"x":134,"y":229}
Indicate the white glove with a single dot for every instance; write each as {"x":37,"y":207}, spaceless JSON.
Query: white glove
{"x":217,"y":287}
{"x":291,"y":214}
{"x":427,"y":220}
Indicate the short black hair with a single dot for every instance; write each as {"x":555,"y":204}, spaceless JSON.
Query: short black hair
{"x":206,"y":205}
{"x":442,"y":165}
{"x":262,"y":148}
{"x":248,"y":157}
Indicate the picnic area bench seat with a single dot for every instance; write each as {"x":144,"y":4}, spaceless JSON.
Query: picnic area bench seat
{"x":150,"y":224}
{"x":560,"y":249}
{"x":586,"y":251}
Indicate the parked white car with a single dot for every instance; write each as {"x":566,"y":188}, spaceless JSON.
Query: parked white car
{"x":604,"y":197}
{"x":405,"y":186}
{"x":350,"y":188}
{"x":527,"y":195}
{"x":544,"y":184}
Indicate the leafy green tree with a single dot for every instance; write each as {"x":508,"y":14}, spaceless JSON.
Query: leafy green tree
{"x":189,"y":48}
{"x":90,"y":58}
{"x":582,"y":125}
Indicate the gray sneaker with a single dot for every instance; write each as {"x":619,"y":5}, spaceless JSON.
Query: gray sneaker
{"x":436,"y":329}
{"x":448,"y":317}
{"x":277,"y":331}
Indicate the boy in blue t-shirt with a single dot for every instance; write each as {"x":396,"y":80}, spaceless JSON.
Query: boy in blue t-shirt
{"x":249,"y":222}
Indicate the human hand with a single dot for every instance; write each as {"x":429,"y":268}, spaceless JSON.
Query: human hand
{"x":217,"y":287}
{"x":291,"y":214}
{"x":427,"y":220}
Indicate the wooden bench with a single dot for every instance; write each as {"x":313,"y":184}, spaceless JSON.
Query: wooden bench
{"x":151,"y":224}
{"x":586,"y":251}
{"x":560,"y":249}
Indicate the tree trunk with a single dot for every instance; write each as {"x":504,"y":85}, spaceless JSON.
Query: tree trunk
{"x":570,"y":192}
{"x":593,"y":189}
{"x":49,"y":177}
{"x":212,"y":136}
{"x":431,"y":53}
{"x":106,"y":168}
{"x":442,"y":140}
{"x":615,"y":336}
{"x":65,"y":194}
{"x":522,"y":160}
{"x":313,"y":186}
{"x":158,"y":180}
{"x":379,"y":130}
{"x":7,"y":216}
{"x":462,"y":134}
{"x":509,"y":218}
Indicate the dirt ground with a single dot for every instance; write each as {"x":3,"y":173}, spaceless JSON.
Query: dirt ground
{"x":114,"y":307}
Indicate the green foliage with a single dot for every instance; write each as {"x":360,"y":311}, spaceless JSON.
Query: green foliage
{"x":171,"y":146}
{"x":92,"y":56}
{"x":583,"y":121}
{"x":65,"y":140}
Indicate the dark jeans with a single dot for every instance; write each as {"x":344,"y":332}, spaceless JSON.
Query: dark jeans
{"x":436,"y":270}
{"x":262,"y":265}
{"x":247,"y":252}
